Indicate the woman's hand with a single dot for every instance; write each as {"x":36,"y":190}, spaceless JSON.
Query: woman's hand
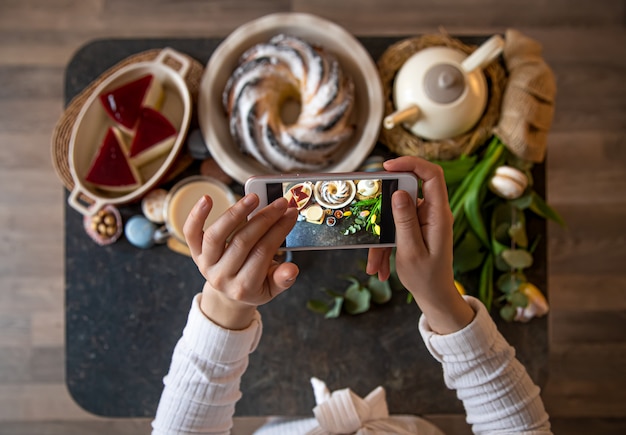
{"x":236,"y":258}
{"x":424,"y":247}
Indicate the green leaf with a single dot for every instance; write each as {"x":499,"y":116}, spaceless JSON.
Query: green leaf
{"x":540,"y":207}
{"x":507,"y":312}
{"x":456,"y":170}
{"x":318,"y":306}
{"x":509,"y":282}
{"x":380,"y":290}
{"x":335,"y":311}
{"x":457,"y":200}
{"x":517,"y":258}
{"x":485,"y":285}
{"x":523,"y":202}
{"x":533,"y":247}
{"x":517,"y":232}
{"x":469,"y":254}
{"x":501,"y":233}
{"x":518,"y":299}
{"x":459,"y":227}
{"x":352,"y":279}
{"x":357,"y":299}
{"x":499,"y":262}
{"x":333,"y":294}
{"x":477,"y":189}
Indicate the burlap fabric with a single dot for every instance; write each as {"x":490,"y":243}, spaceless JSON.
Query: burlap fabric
{"x":529,"y":98}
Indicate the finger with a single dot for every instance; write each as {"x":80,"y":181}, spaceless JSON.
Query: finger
{"x":266,"y":221}
{"x":385,"y":271}
{"x":215,"y":237}
{"x":261,"y":255}
{"x":433,"y":182}
{"x":375,"y":259}
{"x":281,"y":277}
{"x":193,"y":227}
{"x":408,"y":232}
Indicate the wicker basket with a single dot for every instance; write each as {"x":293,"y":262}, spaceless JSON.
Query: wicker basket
{"x":401,"y":141}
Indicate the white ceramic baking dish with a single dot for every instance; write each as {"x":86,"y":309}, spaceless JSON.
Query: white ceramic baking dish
{"x":92,"y":123}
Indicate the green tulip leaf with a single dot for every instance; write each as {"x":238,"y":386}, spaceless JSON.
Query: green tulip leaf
{"x":540,"y":207}
{"x":517,"y":258}
{"x":456,"y":170}
{"x":469,"y":254}
{"x":478,"y":187}
{"x":485,"y":285}
{"x":523,"y":202}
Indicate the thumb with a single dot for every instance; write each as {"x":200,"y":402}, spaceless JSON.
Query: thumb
{"x":408,"y":231}
{"x":281,"y":277}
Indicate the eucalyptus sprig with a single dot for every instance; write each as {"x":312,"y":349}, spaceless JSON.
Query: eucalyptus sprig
{"x":356,"y":298}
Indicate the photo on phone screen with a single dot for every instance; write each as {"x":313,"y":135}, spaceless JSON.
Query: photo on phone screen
{"x":335,"y":213}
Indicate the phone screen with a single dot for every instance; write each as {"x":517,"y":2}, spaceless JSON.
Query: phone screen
{"x":338,"y":213}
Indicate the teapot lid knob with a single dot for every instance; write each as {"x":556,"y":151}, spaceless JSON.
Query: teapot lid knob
{"x":444,"y":83}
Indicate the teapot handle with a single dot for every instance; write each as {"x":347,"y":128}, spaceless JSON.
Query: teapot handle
{"x":484,"y":54}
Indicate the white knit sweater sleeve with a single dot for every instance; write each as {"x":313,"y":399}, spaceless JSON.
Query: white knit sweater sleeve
{"x":498,"y":395}
{"x":202,"y":385}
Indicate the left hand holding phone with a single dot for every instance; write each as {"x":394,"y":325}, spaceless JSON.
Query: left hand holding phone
{"x":235,"y":256}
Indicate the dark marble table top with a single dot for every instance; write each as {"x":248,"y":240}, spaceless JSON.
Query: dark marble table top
{"x":126,"y":307}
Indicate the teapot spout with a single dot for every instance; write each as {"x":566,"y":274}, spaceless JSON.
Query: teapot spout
{"x":483,"y":55}
{"x":409,"y":114}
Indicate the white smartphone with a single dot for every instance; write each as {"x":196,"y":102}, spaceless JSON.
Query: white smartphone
{"x":336,"y":210}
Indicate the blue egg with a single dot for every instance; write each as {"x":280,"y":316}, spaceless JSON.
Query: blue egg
{"x":373,"y":164}
{"x":140,"y":232}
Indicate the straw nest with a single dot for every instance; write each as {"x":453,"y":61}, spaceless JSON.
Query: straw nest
{"x":400,"y":140}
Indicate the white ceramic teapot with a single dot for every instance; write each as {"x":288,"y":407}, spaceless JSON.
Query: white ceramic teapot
{"x":440,"y":92}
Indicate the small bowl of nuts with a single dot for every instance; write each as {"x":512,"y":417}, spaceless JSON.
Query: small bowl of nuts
{"x":105,"y":226}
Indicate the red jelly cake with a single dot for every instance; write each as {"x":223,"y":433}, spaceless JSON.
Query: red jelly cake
{"x":124,"y":104}
{"x":110,"y":169}
{"x":154,"y":136}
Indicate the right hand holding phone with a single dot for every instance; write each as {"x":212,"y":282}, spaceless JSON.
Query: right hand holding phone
{"x":424,"y":248}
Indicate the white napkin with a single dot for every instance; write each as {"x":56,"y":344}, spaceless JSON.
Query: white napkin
{"x":343,"y":412}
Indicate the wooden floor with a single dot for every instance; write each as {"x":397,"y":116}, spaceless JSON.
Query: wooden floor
{"x":583,"y":41}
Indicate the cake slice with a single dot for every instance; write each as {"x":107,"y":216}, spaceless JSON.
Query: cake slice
{"x":110,"y":169}
{"x":123,"y":104}
{"x":154,"y":136}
